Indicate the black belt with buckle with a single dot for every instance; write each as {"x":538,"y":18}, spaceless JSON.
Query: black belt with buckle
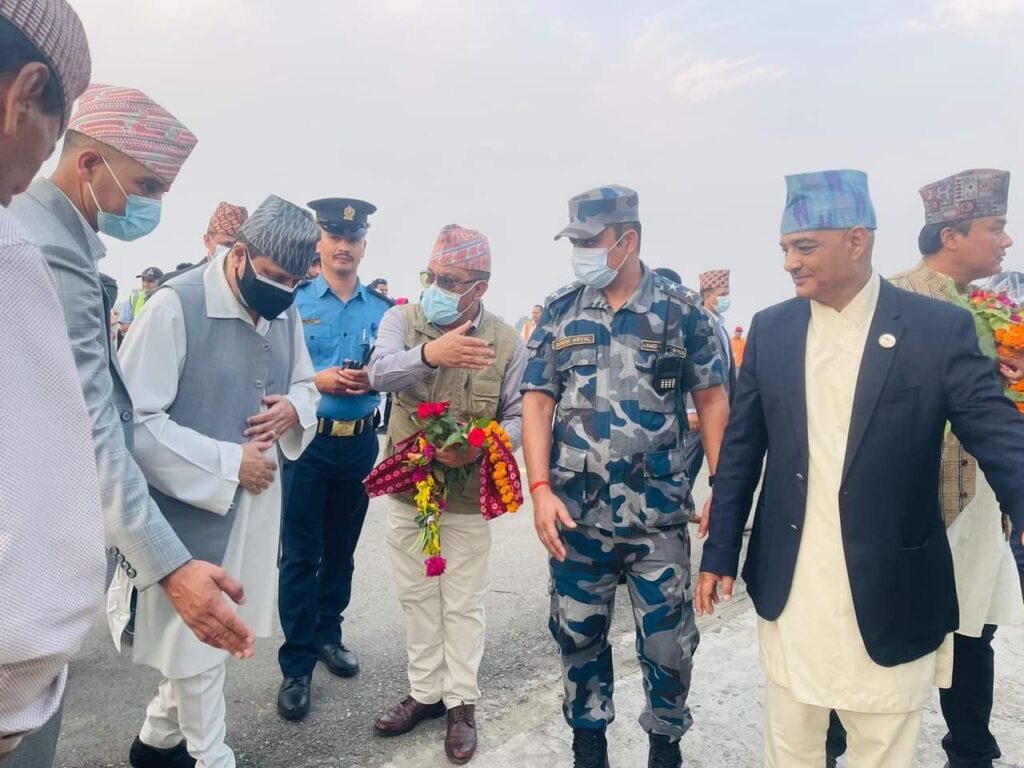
{"x":332,"y":428}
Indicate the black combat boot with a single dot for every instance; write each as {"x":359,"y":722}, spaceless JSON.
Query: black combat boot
{"x":664,"y":752}
{"x":589,"y":748}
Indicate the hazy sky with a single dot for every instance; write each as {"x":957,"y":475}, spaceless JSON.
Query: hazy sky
{"x":492,"y":114}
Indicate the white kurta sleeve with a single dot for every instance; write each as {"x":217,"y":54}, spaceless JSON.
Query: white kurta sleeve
{"x":178,"y":461}
{"x":303,"y":394}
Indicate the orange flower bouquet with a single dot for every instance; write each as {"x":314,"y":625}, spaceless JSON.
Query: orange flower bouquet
{"x":999,"y":322}
{"x":414,"y":468}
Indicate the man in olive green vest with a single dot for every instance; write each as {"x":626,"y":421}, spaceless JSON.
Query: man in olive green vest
{"x":446,"y":348}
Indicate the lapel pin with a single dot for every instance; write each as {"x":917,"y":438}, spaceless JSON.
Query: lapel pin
{"x":887,"y":341}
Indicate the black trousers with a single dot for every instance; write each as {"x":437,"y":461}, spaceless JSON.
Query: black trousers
{"x":324,"y":509}
{"x":966,"y":706}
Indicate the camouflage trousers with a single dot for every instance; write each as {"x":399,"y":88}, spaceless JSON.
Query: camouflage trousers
{"x":656,"y":569}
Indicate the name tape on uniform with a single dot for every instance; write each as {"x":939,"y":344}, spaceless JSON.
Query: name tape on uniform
{"x":574,"y":341}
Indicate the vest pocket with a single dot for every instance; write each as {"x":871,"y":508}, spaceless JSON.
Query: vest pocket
{"x":484,"y":395}
{"x":666,"y":489}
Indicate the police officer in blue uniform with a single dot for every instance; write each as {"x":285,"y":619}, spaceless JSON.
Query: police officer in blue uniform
{"x":325,"y":502}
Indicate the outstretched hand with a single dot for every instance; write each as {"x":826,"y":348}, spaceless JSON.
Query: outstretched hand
{"x":195,"y":590}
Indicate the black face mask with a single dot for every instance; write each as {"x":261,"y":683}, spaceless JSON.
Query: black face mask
{"x":261,"y":294}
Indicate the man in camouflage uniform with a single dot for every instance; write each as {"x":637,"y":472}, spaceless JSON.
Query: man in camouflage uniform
{"x":611,"y":361}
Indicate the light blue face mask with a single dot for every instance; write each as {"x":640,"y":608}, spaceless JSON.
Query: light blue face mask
{"x":441,"y":307}
{"x":722,"y":304}
{"x":591,"y":265}
{"x":141,"y":214}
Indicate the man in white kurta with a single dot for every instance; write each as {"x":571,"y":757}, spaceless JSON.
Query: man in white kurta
{"x":813,"y":656}
{"x":203,"y":472}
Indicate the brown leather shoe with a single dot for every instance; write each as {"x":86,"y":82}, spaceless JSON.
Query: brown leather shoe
{"x":460,"y":741}
{"x":405,"y":716}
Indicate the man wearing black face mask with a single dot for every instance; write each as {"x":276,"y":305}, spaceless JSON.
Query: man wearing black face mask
{"x":325,"y":502}
{"x":208,"y":426}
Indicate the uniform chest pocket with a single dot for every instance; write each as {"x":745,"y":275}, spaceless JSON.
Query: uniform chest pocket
{"x":321,"y":343}
{"x":649,"y":398}
{"x":577,"y":369}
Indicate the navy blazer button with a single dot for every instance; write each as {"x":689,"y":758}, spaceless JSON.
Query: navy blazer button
{"x":799,"y":477}
{"x":794,"y":526}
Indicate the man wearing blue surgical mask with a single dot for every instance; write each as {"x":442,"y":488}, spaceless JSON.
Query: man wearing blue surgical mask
{"x":714,"y":294}
{"x":447,"y":348}
{"x":109,"y":180}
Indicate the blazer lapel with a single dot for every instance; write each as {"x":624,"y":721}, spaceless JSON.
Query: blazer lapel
{"x":792,"y":361}
{"x":874,"y":367}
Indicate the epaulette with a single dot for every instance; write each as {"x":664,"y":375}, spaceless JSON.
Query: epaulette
{"x":387,"y":299}
{"x":676,"y":291}
{"x":564,"y":292}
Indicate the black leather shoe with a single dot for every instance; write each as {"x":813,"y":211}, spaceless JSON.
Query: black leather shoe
{"x":339,"y":659}
{"x":293,"y":697}
{"x":144,"y":756}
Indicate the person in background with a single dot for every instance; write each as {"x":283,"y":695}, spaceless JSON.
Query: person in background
{"x":223,"y":387}
{"x":51,"y":529}
{"x":221,"y":231}
{"x":314,"y":269}
{"x":380,"y":285}
{"x":739,"y":344}
{"x":714,"y":293}
{"x":531,"y":323}
{"x":109,"y":180}
{"x":151,"y":278}
{"x":325,"y":501}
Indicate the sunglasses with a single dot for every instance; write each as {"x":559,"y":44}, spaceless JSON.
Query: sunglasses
{"x":428,"y":278}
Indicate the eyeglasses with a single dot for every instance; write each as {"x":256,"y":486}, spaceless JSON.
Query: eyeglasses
{"x":428,"y":278}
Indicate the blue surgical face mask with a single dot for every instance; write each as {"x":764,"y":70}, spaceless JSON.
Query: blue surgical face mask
{"x":591,"y":265}
{"x":722,"y":304}
{"x":141,"y":214}
{"x":442,"y":307}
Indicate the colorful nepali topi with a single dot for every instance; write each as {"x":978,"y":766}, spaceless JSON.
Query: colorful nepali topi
{"x":967,"y":195}
{"x":827,"y":200}
{"x":283,"y":232}
{"x":716,"y":278}
{"x":460,"y":247}
{"x":227,"y":219}
{"x":593,"y":211}
{"x":129,"y":121}
{"x":55,"y":30}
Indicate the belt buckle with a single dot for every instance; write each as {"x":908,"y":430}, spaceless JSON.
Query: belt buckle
{"x":343,"y":429}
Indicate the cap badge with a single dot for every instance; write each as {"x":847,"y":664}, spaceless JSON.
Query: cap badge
{"x":887,"y":341}
{"x":350,"y":213}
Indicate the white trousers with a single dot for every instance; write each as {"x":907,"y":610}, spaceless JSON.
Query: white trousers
{"x":794,"y":734}
{"x":191,"y":708}
{"x":444,"y":615}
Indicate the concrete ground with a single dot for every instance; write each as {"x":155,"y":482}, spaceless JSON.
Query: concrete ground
{"x":519,"y":718}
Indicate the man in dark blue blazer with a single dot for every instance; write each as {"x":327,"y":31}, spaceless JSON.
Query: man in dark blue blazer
{"x":848,"y":390}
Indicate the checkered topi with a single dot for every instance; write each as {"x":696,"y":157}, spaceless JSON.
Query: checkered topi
{"x":283,"y":232}
{"x":973,"y":194}
{"x":460,"y":247}
{"x":227,"y":219}
{"x":54,"y":28}
{"x":716,"y":278}
{"x":135,"y":125}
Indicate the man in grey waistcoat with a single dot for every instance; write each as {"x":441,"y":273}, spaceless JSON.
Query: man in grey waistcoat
{"x":221,"y":382}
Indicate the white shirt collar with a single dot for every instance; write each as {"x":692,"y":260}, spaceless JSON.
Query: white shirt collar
{"x":858,"y":313}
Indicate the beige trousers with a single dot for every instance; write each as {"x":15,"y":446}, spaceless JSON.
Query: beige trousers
{"x":444,"y":616}
{"x":794,"y":734}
